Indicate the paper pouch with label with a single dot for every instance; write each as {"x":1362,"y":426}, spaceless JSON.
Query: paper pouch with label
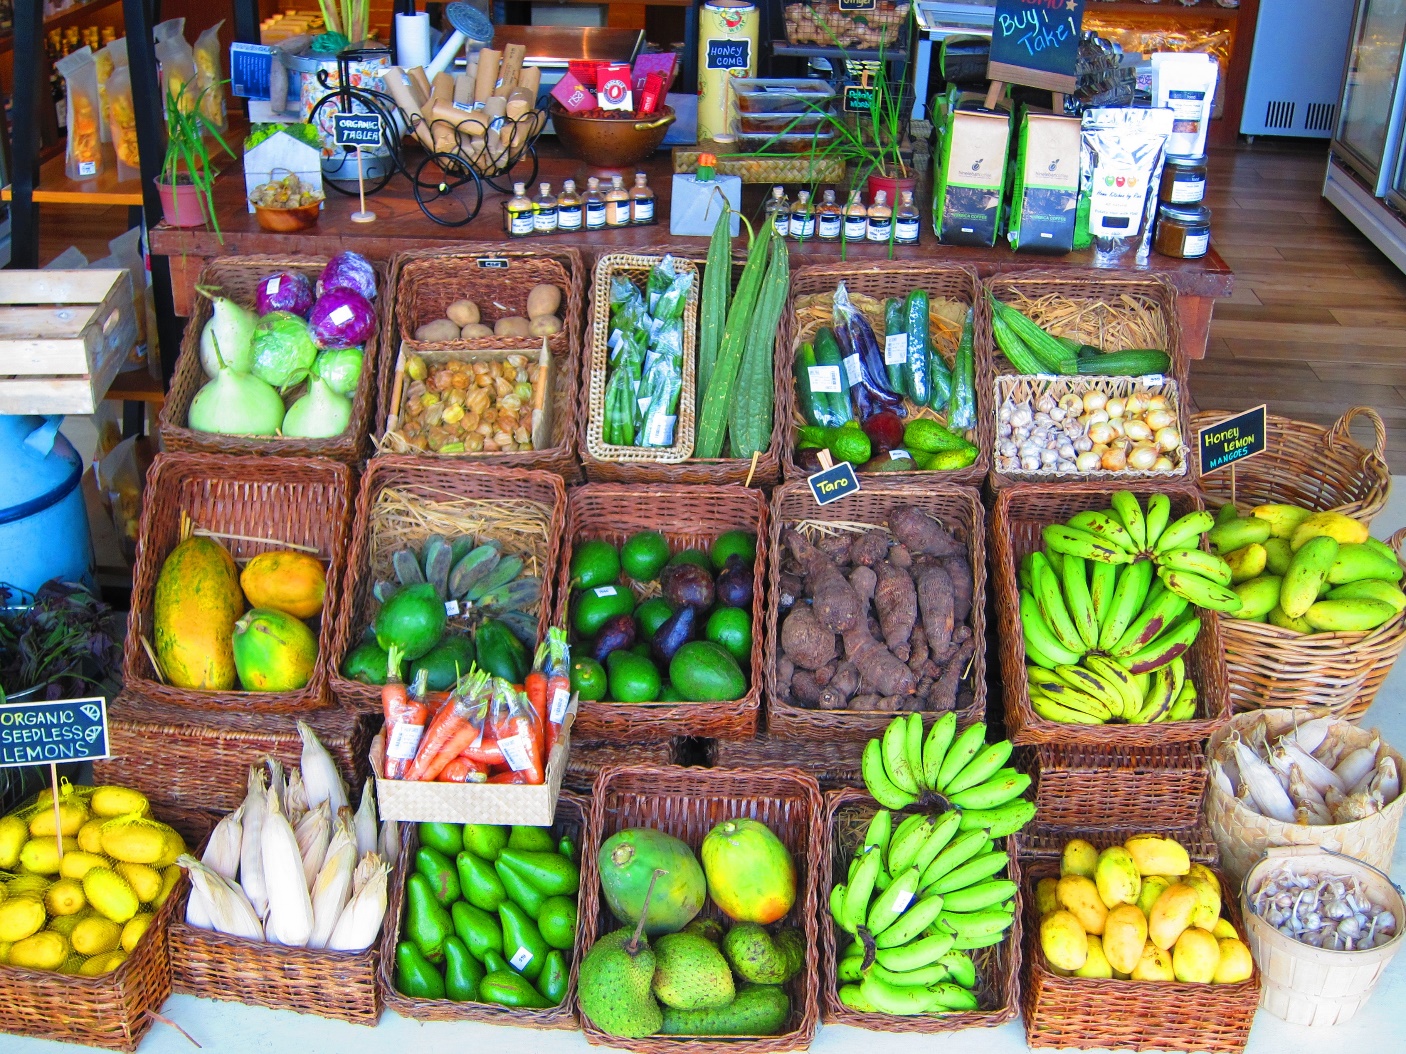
{"x":972,"y":177}
{"x":1045,"y":198}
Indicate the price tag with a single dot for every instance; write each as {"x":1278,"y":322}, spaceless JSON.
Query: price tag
{"x":515,"y":752}
{"x":605,"y":591}
{"x":561,"y":703}
{"x":833,"y":483}
{"x":1232,"y":439}
{"x":902,"y":902}
{"x":895,"y":349}
{"x":403,"y":741}
{"x":660,"y":431}
{"x":899,"y":454}
{"x":492,"y":263}
{"x":53,"y":731}
{"x":451,"y":608}
{"x":853,"y":371}
{"x":273,"y":285}
{"x":825,"y":379}
{"x":520,"y":959}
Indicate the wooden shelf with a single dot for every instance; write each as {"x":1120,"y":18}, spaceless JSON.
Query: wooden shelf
{"x":137,"y":386}
{"x":106,"y":189}
{"x":74,"y":15}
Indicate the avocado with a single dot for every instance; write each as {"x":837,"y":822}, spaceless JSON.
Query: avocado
{"x":692,"y":556}
{"x":758,"y":1010}
{"x":690,"y":973}
{"x":594,"y":563}
{"x":743,"y":543}
{"x":369,"y":664}
{"x":633,"y":678}
{"x":652,"y":614}
{"x":595,"y":606}
{"x":413,"y":619}
{"x":446,"y":662}
{"x":643,"y":555}
{"x":706,"y":672}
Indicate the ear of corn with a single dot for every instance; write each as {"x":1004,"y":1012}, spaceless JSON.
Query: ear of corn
{"x":360,"y":920}
{"x":229,"y":910}
{"x":332,"y":888}
{"x":290,"y":918}
{"x":223,"y":849}
{"x":314,"y":832}
{"x":365,"y":823}
{"x":320,"y":775}
{"x":251,"y":853}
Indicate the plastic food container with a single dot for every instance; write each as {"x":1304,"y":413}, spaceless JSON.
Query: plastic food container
{"x":790,"y":123}
{"x":781,"y":94}
{"x":784,"y":144}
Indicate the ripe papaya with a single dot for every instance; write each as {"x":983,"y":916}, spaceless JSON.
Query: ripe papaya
{"x":284,"y":580}
{"x":196,"y":604}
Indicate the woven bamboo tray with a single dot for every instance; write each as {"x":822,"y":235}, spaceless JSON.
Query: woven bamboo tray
{"x":572,"y":819}
{"x":1324,"y":469}
{"x":1130,"y":1015}
{"x":206,"y":766}
{"x":1107,"y":301}
{"x":426,"y":281}
{"x":1080,"y":785}
{"x":239,"y":277}
{"x":338,"y":985}
{"x":266,"y":502}
{"x":847,"y":814}
{"x":1269,"y":667}
{"x":833,"y":763}
{"x":687,"y":517}
{"x":539,"y":497}
{"x":881,"y":281}
{"x":1243,"y":834}
{"x":959,"y":508}
{"x":688,"y":803}
{"x":1022,"y":511}
{"x":586,"y":760}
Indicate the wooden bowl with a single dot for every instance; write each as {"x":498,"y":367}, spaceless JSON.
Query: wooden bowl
{"x":287,"y":221}
{"x":611,"y":142}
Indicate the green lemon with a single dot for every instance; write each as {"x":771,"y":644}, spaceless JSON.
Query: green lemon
{"x":732,"y":628}
{"x":588,"y":678}
{"x":643,"y":555}
{"x":743,"y":543}
{"x":633,"y":678}
{"x":594,"y":563}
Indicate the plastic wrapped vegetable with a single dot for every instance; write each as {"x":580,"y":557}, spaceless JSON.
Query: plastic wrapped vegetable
{"x":351,"y":271}
{"x":285,"y":291}
{"x":862,"y":361}
{"x":668,"y":304}
{"x":341,"y":369}
{"x":341,"y":319}
{"x":663,"y":383}
{"x":283,"y":349}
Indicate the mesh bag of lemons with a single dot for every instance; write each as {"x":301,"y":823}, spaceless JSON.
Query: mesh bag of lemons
{"x":83,"y":914}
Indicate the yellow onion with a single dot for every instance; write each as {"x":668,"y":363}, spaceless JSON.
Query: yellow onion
{"x":1114,"y":459}
{"x":1088,"y":461}
{"x":1137,"y":430}
{"x":1136,"y":404}
{"x":1168,"y":438}
{"x":1142,"y":457}
{"x":1094,"y":400}
{"x":1157,"y":402}
{"x":1163,"y":464}
{"x":1101,"y":432}
{"x":1160,"y":419}
{"x":1116,"y":407}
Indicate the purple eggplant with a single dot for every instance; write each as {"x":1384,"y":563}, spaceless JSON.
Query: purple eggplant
{"x":870,"y":394}
{"x":616,"y":634}
{"x":676,"y":631}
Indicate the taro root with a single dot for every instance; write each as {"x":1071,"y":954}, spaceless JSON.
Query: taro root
{"x":790,"y":589}
{"x":959,"y":570}
{"x":936,"y":601}
{"x":880,"y":671}
{"x":869,"y":548}
{"x":896,"y":601}
{"x":836,"y":605}
{"x":687,"y":585}
{"x":805,"y":641}
{"x":805,"y":690}
{"x":920,"y":533}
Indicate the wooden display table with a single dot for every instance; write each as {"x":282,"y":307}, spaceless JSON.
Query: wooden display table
{"x":400,"y":225}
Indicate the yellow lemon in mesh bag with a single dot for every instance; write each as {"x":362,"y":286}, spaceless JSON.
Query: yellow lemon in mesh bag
{"x":169,"y":877}
{"x":134,"y":839}
{"x":90,"y":836}
{"x":144,"y":880}
{"x":135,"y":928}
{"x":101,"y":964}
{"x":14,"y":832}
{"x":175,"y":849}
{"x":45,"y":950}
{"x":95,"y":935}
{"x":20,"y":917}
{"x":66,"y":924}
{"x":72,"y":816}
{"x":65,"y":897}
{"x":41,"y":855}
{"x":110,"y":894}
{"x":111,"y":802}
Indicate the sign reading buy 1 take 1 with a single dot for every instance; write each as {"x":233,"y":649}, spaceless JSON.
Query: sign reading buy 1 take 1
{"x":53,"y":732}
{"x":1036,"y":42}
{"x":1232,"y":440}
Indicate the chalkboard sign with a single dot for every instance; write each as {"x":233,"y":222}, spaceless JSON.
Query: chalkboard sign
{"x":356,"y":129}
{"x":1233,"y":439}
{"x":858,"y":99}
{"x":858,"y":5}
{"x":1036,"y":42}
{"x":729,"y":54}
{"x":833,"y":483}
{"x":56,"y":731}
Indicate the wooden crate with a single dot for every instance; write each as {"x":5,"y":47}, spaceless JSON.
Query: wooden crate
{"x":63,"y":337}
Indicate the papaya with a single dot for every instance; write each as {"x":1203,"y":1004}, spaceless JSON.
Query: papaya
{"x":197,"y":601}
{"x":750,"y":873}
{"x":292,"y":582}
{"x":273,"y":651}
{"x":628,"y":860}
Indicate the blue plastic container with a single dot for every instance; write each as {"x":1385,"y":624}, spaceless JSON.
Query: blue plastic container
{"x":43,"y":521}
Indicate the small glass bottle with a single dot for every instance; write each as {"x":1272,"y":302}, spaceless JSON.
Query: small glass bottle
{"x":880,"y":218}
{"x":617,"y":203}
{"x":569,"y":207}
{"x":802,"y":218}
{"x":544,"y":210}
{"x":595,"y":205}
{"x":641,"y":200}
{"x":778,"y":212}
{"x":856,"y":218}
{"x":828,"y":218}
{"x":520,"y":221}
{"x":906,"y":221}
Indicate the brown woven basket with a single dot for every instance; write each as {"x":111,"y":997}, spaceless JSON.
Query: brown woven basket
{"x":1104,"y":298}
{"x":687,"y":517}
{"x":238,"y":277}
{"x":265,"y":502}
{"x":572,"y":818}
{"x":586,"y":760}
{"x":847,"y":814}
{"x":339,"y":985}
{"x":1040,"y":840}
{"x":426,"y":281}
{"x":1022,"y":511}
{"x":881,"y":281}
{"x":959,"y":508}
{"x":1305,"y":464}
{"x":1269,"y":667}
{"x":688,"y":803}
{"x":206,"y":766}
{"x":537,"y":496}
{"x":1081,"y":785}
{"x":1131,"y":1015}
{"x":833,"y":763}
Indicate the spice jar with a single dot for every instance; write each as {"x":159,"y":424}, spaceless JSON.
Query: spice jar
{"x":1183,"y":180}
{"x":1183,"y":232}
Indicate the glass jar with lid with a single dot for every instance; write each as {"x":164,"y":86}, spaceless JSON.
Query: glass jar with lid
{"x":1183,"y":231}
{"x":1183,"y":180}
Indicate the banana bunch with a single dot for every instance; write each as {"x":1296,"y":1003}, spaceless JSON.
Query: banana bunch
{"x":1100,"y":691}
{"x":919,"y":897}
{"x":482,"y":579}
{"x":904,"y":766}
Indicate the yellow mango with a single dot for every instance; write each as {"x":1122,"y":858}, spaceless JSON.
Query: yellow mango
{"x":134,"y":840}
{"x":95,"y":935}
{"x":1154,"y":855}
{"x":1172,"y":914}
{"x":21,"y":916}
{"x":1195,"y":956}
{"x":1079,"y":858}
{"x":1207,"y":888}
{"x":1344,"y":529}
{"x":1096,"y":965}
{"x":78,"y":863}
{"x":41,"y":855}
{"x":1117,"y":877}
{"x":1153,"y":887}
{"x":1283,"y":519}
{"x":14,"y":832}
{"x":65,"y":897}
{"x":144,"y":880}
{"x":110,"y":894}
{"x":1124,"y":935}
{"x":90,"y":836}
{"x":1236,"y":964}
{"x":135,"y":928}
{"x":1079,"y":896}
{"x":101,"y":964}
{"x":45,"y":950}
{"x":1154,"y":965}
{"x":1045,"y":899}
{"x":111,"y":802}
{"x":169,"y":877}
{"x":72,"y":816}
{"x":1063,"y":940}
{"x":1223,"y":930}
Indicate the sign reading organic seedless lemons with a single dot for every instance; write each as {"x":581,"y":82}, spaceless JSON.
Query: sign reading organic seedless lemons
{"x":53,"y":731}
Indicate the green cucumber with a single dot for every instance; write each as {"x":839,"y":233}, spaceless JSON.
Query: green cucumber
{"x":894,"y":325}
{"x":827,"y":353}
{"x":917,"y":379}
{"x":1135,"y":362}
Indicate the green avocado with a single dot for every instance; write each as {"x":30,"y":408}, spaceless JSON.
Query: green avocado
{"x":412,"y":619}
{"x":692,"y":556}
{"x":445,"y":663}
{"x":743,"y":543}
{"x":596,"y":605}
{"x":652,"y":614}
{"x":633,"y":678}
{"x":643,"y":555}
{"x":594,"y":563}
{"x":706,"y":672}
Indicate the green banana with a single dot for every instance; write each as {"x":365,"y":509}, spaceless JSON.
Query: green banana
{"x":1160,"y":697}
{"x":941,"y":734}
{"x":1125,"y":504}
{"x":1103,"y":579}
{"x":1086,"y":681}
{"x":1105,"y":526}
{"x":1184,"y":709}
{"x":973,"y":871}
{"x":1128,"y":597}
{"x":902,"y":1001}
{"x":1058,"y":690}
{"x":1202,"y":591}
{"x":964,"y":943}
{"x":1022,"y":574}
{"x":895,"y":755}
{"x":977,"y":924}
{"x":1050,"y":598}
{"x":1111,"y":673}
{"x":1159,"y":510}
{"x":920,"y":977}
{"x":961,"y":754}
{"x":944,"y":830}
{"x":1164,"y":649}
{"x":980,"y":896}
{"x":1000,"y":821}
{"x":1184,"y":532}
{"x":914,"y":749}
{"x":1037,"y":633}
{"x":852,"y":996}
{"x":850,"y":970}
{"x":1074,"y":542}
{"x":911,"y":923}
{"x":903,"y":851}
{"x":998,"y":790}
{"x":916,"y":955}
{"x":1036,"y":657}
{"x":1065,"y":715}
{"x":856,"y":907}
{"x":878,"y":782}
{"x":962,"y":849}
{"x":960,"y":966}
{"x":1196,"y":562}
{"x":1154,"y":619}
{"x":980,"y":768}
{"x":1056,"y":561}
{"x":837,"y":903}
{"x":901,"y":831}
{"x":879,"y":831}
{"x":1075,"y":580}
{"x":892,"y":902}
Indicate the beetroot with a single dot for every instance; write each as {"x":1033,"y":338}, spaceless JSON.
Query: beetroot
{"x":885,"y":431}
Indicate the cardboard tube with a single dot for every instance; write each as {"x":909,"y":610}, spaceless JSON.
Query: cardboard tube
{"x":513,"y":54}
{"x":463,"y":89}
{"x":471,"y":76}
{"x":488,"y":60}
{"x":530,"y":81}
{"x":421,"y":82}
{"x":441,"y":89}
{"x":470,"y":122}
{"x":400,"y":91}
{"x":496,"y":106}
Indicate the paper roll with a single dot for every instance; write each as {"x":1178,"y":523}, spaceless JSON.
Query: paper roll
{"x":513,"y":54}
{"x":530,"y":81}
{"x":488,"y":60}
{"x":441,"y":89}
{"x":471,"y":79}
{"x":412,"y":40}
{"x":464,"y":89}
{"x":404,"y":97}
{"x":421,"y":83}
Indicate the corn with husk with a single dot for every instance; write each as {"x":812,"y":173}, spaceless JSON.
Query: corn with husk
{"x":360,"y":921}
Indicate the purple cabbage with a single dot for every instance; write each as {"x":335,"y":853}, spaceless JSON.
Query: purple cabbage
{"x":341,"y":319}
{"x":285,"y":291}
{"x":348,"y":270}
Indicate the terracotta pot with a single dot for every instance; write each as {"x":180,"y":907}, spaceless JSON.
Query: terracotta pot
{"x":611,"y":142}
{"x":892,"y":186}
{"x":180,"y":204}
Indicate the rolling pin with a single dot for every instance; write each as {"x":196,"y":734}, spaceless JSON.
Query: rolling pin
{"x":513,"y":54}
{"x":488,"y":60}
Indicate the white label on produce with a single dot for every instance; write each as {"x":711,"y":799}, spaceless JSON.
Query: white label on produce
{"x":825,"y":379}
{"x":515,"y":752}
{"x":451,"y":608}
{"x":659,"y":431}
{"x":341,"y":316}
{"x":561,"y":701}
{"x":273,"y":285}
{"x":605,"y":591}
{"x":895,"y":349}
{"x":403,"y":741}
{"x":901,"y":904}
{"x":900,"y":455}
{"x":853,"y":371}
{"x":520,"y":959}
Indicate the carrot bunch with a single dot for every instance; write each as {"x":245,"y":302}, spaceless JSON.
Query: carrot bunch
{"x":549,"y":685}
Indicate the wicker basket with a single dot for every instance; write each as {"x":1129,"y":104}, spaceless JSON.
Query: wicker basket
{"x":426,"y":281}
{"x":537,"y":496}
{"x":207,"y":766}
{"x":1130,"y":1015}
{"x":586,"y":760}
{"x":1081,"y":785}
{"x":833,"y":763}
{"x":688,"y":517}
{"x":339,"y":985}
{"x":879,"y":281}
{"x":1244,"y":834}
{"x":1039,"y":840}
{"x":258,"y":505}
{"x":572,"y":819}
{"x":1305,"y":464}
{"x":239,"y":277}
{"x":959,"y":508}
{"x":830,"y":24}
{"x":847,"y":814}
{"x":1104,"y":298}
{"x":687,"y":803}
{"x":1269,"y":667}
